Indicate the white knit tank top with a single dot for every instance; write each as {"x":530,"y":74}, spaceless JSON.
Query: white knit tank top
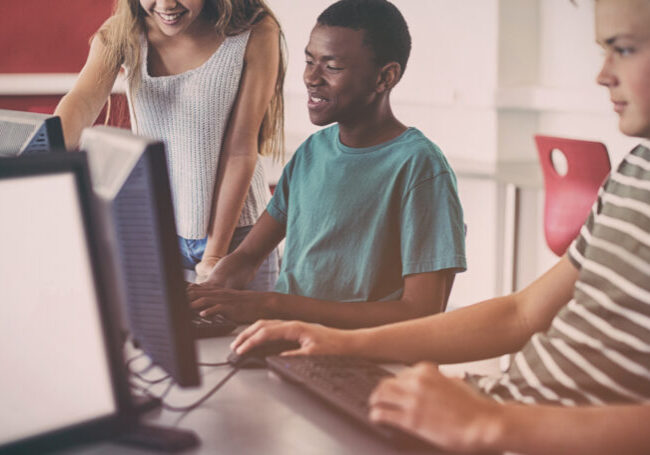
{"x":189,"y":112}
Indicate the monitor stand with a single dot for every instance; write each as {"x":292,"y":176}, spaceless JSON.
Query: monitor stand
{"x":165,"y":439}
{"x":155,"y":437}
{"x":143,"y":404}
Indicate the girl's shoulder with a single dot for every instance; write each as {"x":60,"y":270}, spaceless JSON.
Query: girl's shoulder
{"x":265,"y":28}
{"x":108,"y":29}
{"x":263,"y":38}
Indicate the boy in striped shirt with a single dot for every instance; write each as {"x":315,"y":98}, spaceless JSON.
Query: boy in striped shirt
{"x":579,"y":381}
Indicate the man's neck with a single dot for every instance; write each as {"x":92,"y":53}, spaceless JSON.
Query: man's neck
{"x":371,"y":131}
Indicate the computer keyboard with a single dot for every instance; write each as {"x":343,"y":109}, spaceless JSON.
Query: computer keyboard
{"x":342,"y":382}
{"x":211,"y":326}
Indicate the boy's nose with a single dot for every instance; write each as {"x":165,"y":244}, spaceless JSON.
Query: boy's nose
{"x":312,"y":75}
{"x":606,"y":76}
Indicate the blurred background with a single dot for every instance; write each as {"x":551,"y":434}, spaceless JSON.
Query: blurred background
{"x":484,"y":76}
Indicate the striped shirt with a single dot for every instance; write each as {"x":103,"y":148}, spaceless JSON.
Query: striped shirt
{"x":597,"y":349}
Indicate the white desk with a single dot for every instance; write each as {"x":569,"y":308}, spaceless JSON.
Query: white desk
{"x":256,"y":413}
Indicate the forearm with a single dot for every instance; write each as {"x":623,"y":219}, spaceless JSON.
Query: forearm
{"x":238,"y":268}
{"x":484,"y":330}
{"x":235,"y":270}
{"x":231,"y":191}
{"x":487,"y":329}
{"x":591,"y":430}
{"x":342,"y":314}
{"x":76,"y":114}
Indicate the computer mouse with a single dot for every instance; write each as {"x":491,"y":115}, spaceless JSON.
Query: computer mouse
{"x":256,"y":357}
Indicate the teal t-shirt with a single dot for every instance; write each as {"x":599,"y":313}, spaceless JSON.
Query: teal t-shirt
{"x":359,"y":219}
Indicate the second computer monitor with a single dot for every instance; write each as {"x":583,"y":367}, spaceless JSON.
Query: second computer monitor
{"x":23,"y":133}
{"x":130,"y":178}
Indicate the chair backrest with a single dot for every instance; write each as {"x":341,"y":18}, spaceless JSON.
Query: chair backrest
{"x":569,"y":195}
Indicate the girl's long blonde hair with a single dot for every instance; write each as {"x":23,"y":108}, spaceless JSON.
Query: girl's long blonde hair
{"x":121,"y":34}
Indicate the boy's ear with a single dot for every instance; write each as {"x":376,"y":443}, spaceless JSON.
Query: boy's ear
{"x":389,"y":76}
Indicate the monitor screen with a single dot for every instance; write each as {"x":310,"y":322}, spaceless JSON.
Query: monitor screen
{"x":56,"y":364}
{"x":29,"y":133}
{"x":129,"y":175}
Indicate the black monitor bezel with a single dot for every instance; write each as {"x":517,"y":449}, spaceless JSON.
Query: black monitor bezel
{"x":54,"y":130}
{"x":104,"y":427}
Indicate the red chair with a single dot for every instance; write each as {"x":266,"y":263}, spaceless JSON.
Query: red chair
{"x":569,"y":195}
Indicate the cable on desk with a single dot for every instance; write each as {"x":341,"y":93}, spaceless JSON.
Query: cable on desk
{"x":218,"y":364}
{"x":133,"y":359}
{"x":150,"y":381}
{"x":146,"y":391}
{"x":200,"y":401}
{"x":162,"y":396}
{"x":143,"y":370}
{"x":139,"y":374}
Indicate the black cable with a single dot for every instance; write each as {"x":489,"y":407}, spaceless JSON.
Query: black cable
{"x":218,"y":364}
{"x":139,"y":374}
{"x":133,"y":359}
{"x":143,"y":390}
{"x":150,"y":381}
{"x":200,"y":401}
{"x":146,"y":391}
{"x":166,"y":391}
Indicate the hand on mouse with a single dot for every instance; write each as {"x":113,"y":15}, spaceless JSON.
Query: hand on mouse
{"x":313,"y":338}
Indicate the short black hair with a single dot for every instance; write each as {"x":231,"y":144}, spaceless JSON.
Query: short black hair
{"x":384,"y":27}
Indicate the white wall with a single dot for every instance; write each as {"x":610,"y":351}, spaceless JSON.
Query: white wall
{"x":442,"y":92}
{"x":483,"y":77}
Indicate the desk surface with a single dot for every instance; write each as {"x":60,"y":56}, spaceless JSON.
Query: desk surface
{"x":255,"y":412}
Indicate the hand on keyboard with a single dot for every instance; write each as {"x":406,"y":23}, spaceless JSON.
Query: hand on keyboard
{"x":345,"y":383}
{"x":444,"y":411}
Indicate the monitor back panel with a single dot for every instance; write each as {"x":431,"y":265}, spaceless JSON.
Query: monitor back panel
{"x":29,"y":133}
{"x":156,"y":307}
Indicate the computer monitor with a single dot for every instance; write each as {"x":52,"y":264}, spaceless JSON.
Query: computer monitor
{"x":23,"y":133}
{"x":129,"y":176}
{"x":62,"y":376}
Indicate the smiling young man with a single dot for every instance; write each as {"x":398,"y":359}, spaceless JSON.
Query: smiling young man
{"x":374,"y":227}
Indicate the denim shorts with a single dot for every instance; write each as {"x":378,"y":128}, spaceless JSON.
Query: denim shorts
{"x":192,"y":251}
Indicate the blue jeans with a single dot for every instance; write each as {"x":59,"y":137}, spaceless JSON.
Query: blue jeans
{"x":192,"y":251}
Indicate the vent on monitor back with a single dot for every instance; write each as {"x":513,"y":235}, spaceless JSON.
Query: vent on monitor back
{"x":39,"y":143}
{"x":140,"y":256}
{"x":13,"y":136}
{"x":29,"y":133}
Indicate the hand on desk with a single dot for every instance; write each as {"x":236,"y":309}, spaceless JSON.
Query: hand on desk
{"x":445,"y":411}
{"x":313,"y":338}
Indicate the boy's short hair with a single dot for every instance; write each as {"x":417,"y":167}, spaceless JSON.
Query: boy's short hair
{"x":384,"y":27}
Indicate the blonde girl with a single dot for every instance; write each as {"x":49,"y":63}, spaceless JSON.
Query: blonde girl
{"x":204,"y":76}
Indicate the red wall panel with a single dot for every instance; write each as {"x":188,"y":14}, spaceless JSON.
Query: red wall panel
{"x":45,"y":104}
{"x":49,"y":36}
